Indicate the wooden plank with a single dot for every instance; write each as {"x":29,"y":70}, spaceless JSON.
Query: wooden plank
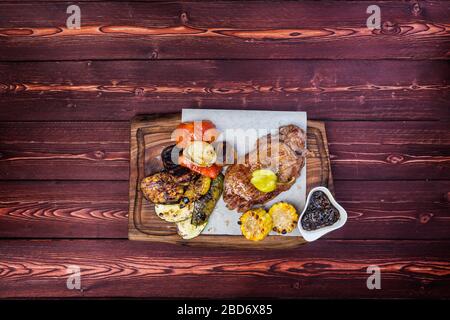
{"x":362,"y":150}
{"x":376,"y":150}
{"x":325,"y":269}
{"x":327,"y":90}
{"x":228,"y":30}
{"x":64,"y":150}
{"x":63,"y":209}
{"x":98,"y":209}
{"x":152,"y":133}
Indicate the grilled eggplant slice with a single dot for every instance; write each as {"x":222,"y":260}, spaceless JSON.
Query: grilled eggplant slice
{"x":169,"y":157}
{"x":166,"y":188}
{"x":187,"y":230}
{"x":173,"y":212}
{"x":204,"y":206}
{"x":162,"y":188}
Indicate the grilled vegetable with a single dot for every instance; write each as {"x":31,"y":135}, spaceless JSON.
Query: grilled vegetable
{"x":196,"y":189}
{"x":255,"y":224}
{"x":211,"y":171}
{"x":188,"y":231}
{"x":204,"y":206}
{"x":162,"y":187}
{"x":169,"y":157}
{"x":284,"y":217}
{"x":264,"y":180}
{"x":186,"y":132}
{"x":200,"y":153}
{"x":173,"y":212}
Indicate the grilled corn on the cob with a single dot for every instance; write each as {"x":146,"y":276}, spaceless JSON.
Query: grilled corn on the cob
{"x":255,"y":224}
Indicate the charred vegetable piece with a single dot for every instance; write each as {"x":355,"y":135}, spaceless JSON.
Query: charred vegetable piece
{"x":256,"y":224}
{"x":196,"y":189}
{"x":211,"y":171}
{"x":173,"y":212}
{"x":169,"y":157}
{"x":264,"y":180}
{"x":186,"y":132}
{"x":162,"y":188}
{"x":319,"y":213}
{"x":187,"y":230}
{"x":204,"y":206}
{"x":200,"y":153}
{"x":284,"y":217}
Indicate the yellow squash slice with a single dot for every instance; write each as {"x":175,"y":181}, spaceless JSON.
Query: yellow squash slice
{"x":255,"y":224}
{"x":284,"y":217}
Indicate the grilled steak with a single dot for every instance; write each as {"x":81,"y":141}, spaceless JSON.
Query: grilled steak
{"x":283,"y":153}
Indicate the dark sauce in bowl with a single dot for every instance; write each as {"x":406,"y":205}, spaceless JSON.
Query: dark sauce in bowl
{"x":320,"y":212}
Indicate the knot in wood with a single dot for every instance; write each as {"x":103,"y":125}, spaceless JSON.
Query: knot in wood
{"x":395,"y":159}
{"x":389,"y":28}
{"x":99,"y":154}
{"x":425,"y":217}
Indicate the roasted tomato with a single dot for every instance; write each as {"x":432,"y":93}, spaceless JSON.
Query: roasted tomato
{"x":186,"y":132}
{"x":211,"y":171}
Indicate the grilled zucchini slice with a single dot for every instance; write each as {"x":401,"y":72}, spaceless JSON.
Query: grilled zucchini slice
{"x":204,"y":207}
{"x":187,"y":230}
{"x":256,"y":224}
{"x":173,"y":212}
{"x":284,"y":217}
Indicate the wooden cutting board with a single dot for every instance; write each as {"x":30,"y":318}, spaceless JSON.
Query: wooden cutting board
{"x":150,"y":134}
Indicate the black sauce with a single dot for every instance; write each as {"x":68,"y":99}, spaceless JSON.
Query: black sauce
{"x":319,"y":213}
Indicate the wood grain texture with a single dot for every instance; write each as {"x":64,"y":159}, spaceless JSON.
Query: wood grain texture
{"x":98,"y":209}
{"x":150,"y":134}
{"x":63,"y":209}
{"x":249,"y":52}
{"x":362,"y":150}
{"x":328,"y":268}
{"x":225,"y":30}
{"x":327,"y":90}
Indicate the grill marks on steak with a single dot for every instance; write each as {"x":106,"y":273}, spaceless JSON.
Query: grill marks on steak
{"x":283,"y":153}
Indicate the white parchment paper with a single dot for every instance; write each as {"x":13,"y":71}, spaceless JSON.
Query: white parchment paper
{"x":222,"y":220}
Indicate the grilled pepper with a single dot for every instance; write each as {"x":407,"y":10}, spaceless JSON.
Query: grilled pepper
{"x":211,"y":171}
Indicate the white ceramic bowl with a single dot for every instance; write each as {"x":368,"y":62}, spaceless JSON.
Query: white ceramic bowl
{"x":316,"y":234}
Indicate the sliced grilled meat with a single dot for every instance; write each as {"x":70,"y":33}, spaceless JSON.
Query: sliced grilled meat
{"x":283,"y":153}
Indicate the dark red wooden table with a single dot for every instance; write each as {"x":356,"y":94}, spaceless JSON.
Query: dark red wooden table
{"x":66,"y":98}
